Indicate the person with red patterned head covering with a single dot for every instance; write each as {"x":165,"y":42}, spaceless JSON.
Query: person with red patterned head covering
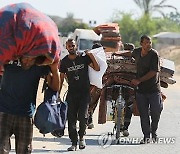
{"x":26,"y":32}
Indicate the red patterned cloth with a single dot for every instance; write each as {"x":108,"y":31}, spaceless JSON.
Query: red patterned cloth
{"x":25,"y":31}
{"x":1,"y":70}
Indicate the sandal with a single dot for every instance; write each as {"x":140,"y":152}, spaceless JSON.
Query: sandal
{"x":72,"y":148}
{"x":82,"y":144}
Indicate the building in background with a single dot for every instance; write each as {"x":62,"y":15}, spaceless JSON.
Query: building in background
{"x":166,"y":39}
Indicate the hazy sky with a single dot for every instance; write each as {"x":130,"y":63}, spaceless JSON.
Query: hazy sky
{"x":95,"y":10}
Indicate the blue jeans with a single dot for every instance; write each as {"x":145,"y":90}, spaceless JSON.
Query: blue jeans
{"x":149,"y":102}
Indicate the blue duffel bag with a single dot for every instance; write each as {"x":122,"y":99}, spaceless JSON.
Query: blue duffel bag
{"x":51,"y":114}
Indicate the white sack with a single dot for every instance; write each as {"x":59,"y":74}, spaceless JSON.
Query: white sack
{"x":95,"y":77}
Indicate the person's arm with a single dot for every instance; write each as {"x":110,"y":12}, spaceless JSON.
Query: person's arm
{"x":146,"y":77}
{"x":94,"y":63}
{"x":62,"y":76}
{"x":53,"y":77}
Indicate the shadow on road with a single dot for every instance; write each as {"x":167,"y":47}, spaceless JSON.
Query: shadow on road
{"x":65,"y":141}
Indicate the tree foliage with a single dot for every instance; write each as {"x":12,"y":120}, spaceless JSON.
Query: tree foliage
{"x":69,"y":24}
{"x":149,"y":6}
{"x":174,"y":17}
{"x":132,"y":29}
{"x":128,"y":27}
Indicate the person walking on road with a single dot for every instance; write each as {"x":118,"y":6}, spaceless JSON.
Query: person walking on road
{"x":75,"y":67}
{"x":18,"y":92}
{"x":148,"y":94}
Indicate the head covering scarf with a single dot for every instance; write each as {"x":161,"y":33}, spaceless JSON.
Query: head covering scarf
{"x":25,"y":31}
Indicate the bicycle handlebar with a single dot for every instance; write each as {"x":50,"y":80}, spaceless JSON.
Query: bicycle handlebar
{"x":120,"y":86}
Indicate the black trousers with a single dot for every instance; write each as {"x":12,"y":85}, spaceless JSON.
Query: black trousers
{"x":153,"y":103}
{"x":77,"y":110}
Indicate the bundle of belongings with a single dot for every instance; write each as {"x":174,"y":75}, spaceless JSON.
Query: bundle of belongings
{"x":111,"y":39}
{"x":25,"y":31}
{"x":121,"y":70}
{"x":110,"y":35}
{"x":120,"y":64}
{"x":95,"y":77}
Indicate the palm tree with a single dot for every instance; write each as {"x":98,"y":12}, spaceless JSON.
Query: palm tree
{"x":148,"y":6}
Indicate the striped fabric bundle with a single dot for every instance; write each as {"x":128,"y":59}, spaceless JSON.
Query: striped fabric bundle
{"x":25,"y":31}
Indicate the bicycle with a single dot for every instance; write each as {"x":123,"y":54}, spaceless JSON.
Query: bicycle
{"x":118,"y":106}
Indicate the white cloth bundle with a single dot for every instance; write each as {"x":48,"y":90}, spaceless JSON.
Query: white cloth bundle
{"x":95,"y":77}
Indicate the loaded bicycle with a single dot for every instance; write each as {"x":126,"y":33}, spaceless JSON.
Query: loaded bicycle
{"x":118,"y":100}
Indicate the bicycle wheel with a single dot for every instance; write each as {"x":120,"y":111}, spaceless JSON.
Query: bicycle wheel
{"x":120,"y":107}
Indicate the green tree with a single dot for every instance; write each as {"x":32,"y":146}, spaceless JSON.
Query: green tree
{"x":132,"y":29}
{"x":149,"y":6}
{"x":166,"y":25}
{"x":175,"y":17}
{"x":69,"y":24}
{"x":146,"y":25}
{"x":128,"y":27}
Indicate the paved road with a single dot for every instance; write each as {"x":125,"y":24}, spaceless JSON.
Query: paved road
{"x":168,"y":130}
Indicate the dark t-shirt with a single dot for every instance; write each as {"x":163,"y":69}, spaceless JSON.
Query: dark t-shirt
{"x":77,"y":73}
{"x":149,"y":62}
{"x":19,"y":88}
